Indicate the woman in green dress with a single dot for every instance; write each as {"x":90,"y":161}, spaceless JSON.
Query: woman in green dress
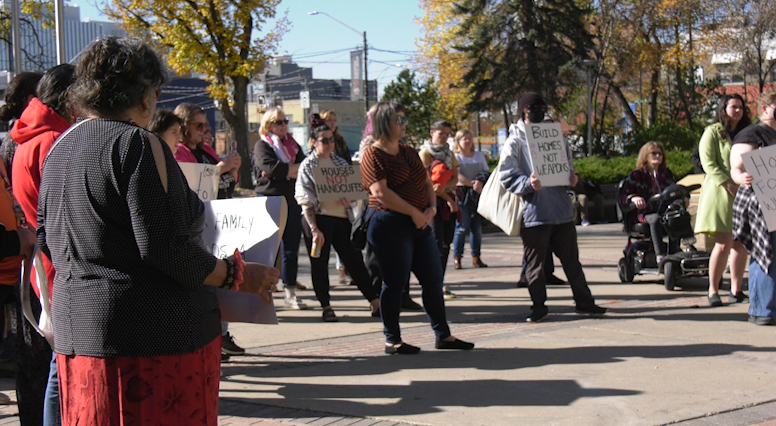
{"x":715,"y":208}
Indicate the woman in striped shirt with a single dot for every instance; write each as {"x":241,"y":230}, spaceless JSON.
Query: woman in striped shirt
{"x":405,"y":203}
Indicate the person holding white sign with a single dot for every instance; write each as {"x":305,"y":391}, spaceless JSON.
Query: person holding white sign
{"x":326,"y":224}
{"x":548,"y":217}
{"x":749,"y":226}
{"x":135,"y":298}
{"x":195,"y":149}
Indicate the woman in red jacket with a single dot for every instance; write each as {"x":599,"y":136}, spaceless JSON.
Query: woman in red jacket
{"x":45,"y":118}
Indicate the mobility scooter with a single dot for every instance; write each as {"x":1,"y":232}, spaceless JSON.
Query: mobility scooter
{"x":640,"y":255}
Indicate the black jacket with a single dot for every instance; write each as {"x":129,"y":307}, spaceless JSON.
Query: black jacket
{"x":265,"y":160}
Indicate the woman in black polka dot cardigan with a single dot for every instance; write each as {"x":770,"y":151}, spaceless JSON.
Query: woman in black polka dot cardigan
{"x":134,"y":309}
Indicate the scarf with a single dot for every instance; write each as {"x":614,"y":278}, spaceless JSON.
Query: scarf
{"x":440,"y":152}
{"x":286,"y":149}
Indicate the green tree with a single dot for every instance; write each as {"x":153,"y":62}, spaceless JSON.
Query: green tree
{"x":223,"y":39}
{"x":515,"y":46}
{"x":420,"y":101}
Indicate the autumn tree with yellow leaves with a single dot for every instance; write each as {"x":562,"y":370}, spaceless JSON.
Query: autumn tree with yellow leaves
{"x":437,"y":57}
{"x":224,"y":40}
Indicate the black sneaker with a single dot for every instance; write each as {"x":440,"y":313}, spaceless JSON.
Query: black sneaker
{"x":224,"y":357}
{"x":229,"y":347}
{"x":590,"y":310}
{"x":538,"y":315}
{"x":739,"y":297}
{"x":760,"y":320}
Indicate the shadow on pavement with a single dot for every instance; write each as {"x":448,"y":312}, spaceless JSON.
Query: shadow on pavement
{"x":422,"y":395}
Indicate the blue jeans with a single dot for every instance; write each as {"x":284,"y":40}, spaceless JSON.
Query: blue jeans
{"x":289,"y":247}
{"x":52,"y":414}
{"x":762,"y":288}
{"x":470,"y":223}
{"x":401,"y":248}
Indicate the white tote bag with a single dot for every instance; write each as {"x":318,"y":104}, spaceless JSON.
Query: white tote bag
{"x":501,"y":207}
{"x":43,"y":324}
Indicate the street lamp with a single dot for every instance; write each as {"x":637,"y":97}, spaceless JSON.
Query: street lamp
{"x":589,"y":64}
{"x":366,"y":74}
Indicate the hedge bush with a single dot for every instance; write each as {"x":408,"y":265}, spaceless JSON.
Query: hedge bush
{"x":615,"y":169}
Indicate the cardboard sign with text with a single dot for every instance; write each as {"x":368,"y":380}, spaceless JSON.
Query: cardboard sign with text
{"x":333,"y":183}
{"x":255,"y":227}
{"x":549,"y":153}
{"x":761,"y":164}
{"x":202,"y":179}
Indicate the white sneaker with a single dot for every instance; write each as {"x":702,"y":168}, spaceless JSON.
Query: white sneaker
{"x":585,"y":223}
{"x":294,"y":302}
{"x":449,"y":295}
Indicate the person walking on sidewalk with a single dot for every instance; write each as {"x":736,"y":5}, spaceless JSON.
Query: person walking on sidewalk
{"x":715,"y":205}
{"x":749,"y":225}
{"x":473,"y":172}
{"x":403,"y":201}
{"x":326,"y":224}
{"x":548,"y":218}
{"x":443,"y":224}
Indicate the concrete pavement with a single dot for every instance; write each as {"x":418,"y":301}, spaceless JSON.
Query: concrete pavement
{"x":656,"y":358}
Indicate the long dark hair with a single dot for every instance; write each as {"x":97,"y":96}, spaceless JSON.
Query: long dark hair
{"x":54,"y":87}
{"x":317,"y":126}
{"x":19,"y":89}
{"x":724,"y":119}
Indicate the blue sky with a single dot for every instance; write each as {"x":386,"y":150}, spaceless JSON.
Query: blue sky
{"x":389,"y":26}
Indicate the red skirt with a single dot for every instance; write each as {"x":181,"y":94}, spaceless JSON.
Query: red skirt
{"x":160,"y":390}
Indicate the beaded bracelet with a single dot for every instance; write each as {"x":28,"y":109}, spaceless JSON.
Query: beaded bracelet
{"x":231,"y":271}
{"x":239,"y":264}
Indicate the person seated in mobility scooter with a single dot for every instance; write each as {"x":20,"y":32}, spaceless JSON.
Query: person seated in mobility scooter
{"x":654,"y":207}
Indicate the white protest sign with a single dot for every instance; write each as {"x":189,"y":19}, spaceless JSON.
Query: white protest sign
{"x":549,"y":154}
{"x":761,"y":164}
{"x":333,"y":183}
{"x":255,"y":227}
{"x":202,"y":179}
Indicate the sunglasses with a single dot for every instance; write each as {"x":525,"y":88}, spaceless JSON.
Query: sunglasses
{"x":201,"y":126}
{"x":402,"y":120}
{"x":656,"y":154}
{"x":280,"y":122}
{"x":325,"y":141}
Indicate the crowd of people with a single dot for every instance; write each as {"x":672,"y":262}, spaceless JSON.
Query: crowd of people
{"x":133,"y":306}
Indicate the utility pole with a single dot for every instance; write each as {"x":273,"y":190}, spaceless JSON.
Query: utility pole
{"x":366,"y":79}
{"x":16,"y":38}
{"x":306,"y":110}
{"x":59,"y":25}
